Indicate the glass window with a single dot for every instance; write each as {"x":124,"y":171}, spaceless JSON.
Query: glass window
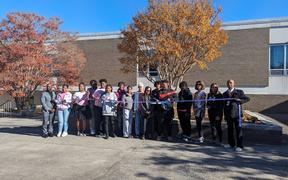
{"x":277,"y":57}
{"x":153,"y":71}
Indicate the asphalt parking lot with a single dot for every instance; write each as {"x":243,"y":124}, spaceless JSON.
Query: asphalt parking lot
{"x":25,"y":155}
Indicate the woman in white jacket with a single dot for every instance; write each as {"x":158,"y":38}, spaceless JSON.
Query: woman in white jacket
{"x":109,"y":102}
{"x":63,"y":106}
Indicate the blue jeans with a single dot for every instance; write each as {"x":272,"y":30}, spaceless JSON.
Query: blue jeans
{"x":63,"y":116}
{"x":47,"y":120}
{"x":127,"y":122}
{"x":138,"y":119}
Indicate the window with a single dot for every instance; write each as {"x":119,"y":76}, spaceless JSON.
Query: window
{"x":153,"y":71}
{"x":150,"y":71}
{"x":278,"y":60}
{"x":277,"y":57}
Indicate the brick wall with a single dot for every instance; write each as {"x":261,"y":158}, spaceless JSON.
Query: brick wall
{"x":103,"y":62}
{"x":244,"y":59}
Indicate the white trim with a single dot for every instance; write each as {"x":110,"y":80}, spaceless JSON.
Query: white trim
{"x":277,"y":86}
{"x":278,"y":35}
{"x":103,"y":35}
{"x":257,"y":23}
{"x":236,"y":25}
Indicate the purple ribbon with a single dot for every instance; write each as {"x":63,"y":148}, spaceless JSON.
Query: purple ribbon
{"x":239,"y":114}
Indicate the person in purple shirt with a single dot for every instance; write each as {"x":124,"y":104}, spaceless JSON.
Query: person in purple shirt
{"x":91,"y":105}
{"x":120,"y":92}
{"x":99,"y":123}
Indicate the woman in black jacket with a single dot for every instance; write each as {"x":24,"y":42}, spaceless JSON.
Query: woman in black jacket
{"x":147,"y":125}
{"x":184,"y":109}
{"x":215,"y":111}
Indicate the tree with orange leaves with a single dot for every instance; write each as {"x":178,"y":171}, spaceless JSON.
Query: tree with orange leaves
{"x":33,"y":50}
{"x":172,"y":36}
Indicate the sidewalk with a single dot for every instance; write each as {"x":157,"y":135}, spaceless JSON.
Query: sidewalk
{"x":25,"y":155}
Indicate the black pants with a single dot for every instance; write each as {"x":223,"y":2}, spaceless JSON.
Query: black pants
{"x":80,"y":112}
{"x":234,"y":123}
{"x":99,"y":125}
{"x":92,"y":111}
{"x":110,"y":125}
{"x":165,"y":123}
{"x":157,"y":117}
{"x":199,"y":119}
{"x":199,"y":125}
{"x":150,"y":131}
{"x":185,"y":123}
{"x":119,"y":122}
{"x":143,"y":126}
{"x":215,"y":123}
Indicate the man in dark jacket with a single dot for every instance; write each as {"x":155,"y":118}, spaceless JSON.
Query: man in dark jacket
{"x":48,"y":110}
{"x":167,"y":97}
{"x":233,"y":114}
{"x":92,"y":107}
{"x":184,"y":109}
{"x":156,"y":108}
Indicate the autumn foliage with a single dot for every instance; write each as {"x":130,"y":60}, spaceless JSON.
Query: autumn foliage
{"x":32,"y":51}
{"x":172,"y":36}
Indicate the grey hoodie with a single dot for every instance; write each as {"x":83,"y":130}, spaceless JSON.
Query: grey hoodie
{"x":127,"y":101}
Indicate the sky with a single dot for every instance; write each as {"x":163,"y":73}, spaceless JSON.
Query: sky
{"x":89,"y":16}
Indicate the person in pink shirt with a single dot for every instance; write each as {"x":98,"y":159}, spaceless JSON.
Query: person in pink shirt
{"x":63,"y":100}
{"x":99,"y":122}
{"x":80,"y":100}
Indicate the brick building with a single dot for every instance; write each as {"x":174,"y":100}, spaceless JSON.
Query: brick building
{"x":256,"y":57}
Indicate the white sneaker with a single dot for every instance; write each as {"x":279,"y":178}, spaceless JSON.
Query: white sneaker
{"x":238,"y":149}
{"x":185,"y":139}
{"x":226,"y":146}
{"x":64,"y":134}
{"x":59,"y":134}
{"x":201,"y":139}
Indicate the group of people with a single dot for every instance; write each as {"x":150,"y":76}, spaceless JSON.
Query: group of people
{"x":145,"y":113}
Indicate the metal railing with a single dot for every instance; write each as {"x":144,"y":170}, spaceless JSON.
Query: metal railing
{"x":6,"y":109}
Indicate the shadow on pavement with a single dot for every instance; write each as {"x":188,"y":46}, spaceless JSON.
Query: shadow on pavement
{"x":282,"y":118}
{"x":266,"y":159}
{"x":23,"y":130}
{"x":148,"y":176}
